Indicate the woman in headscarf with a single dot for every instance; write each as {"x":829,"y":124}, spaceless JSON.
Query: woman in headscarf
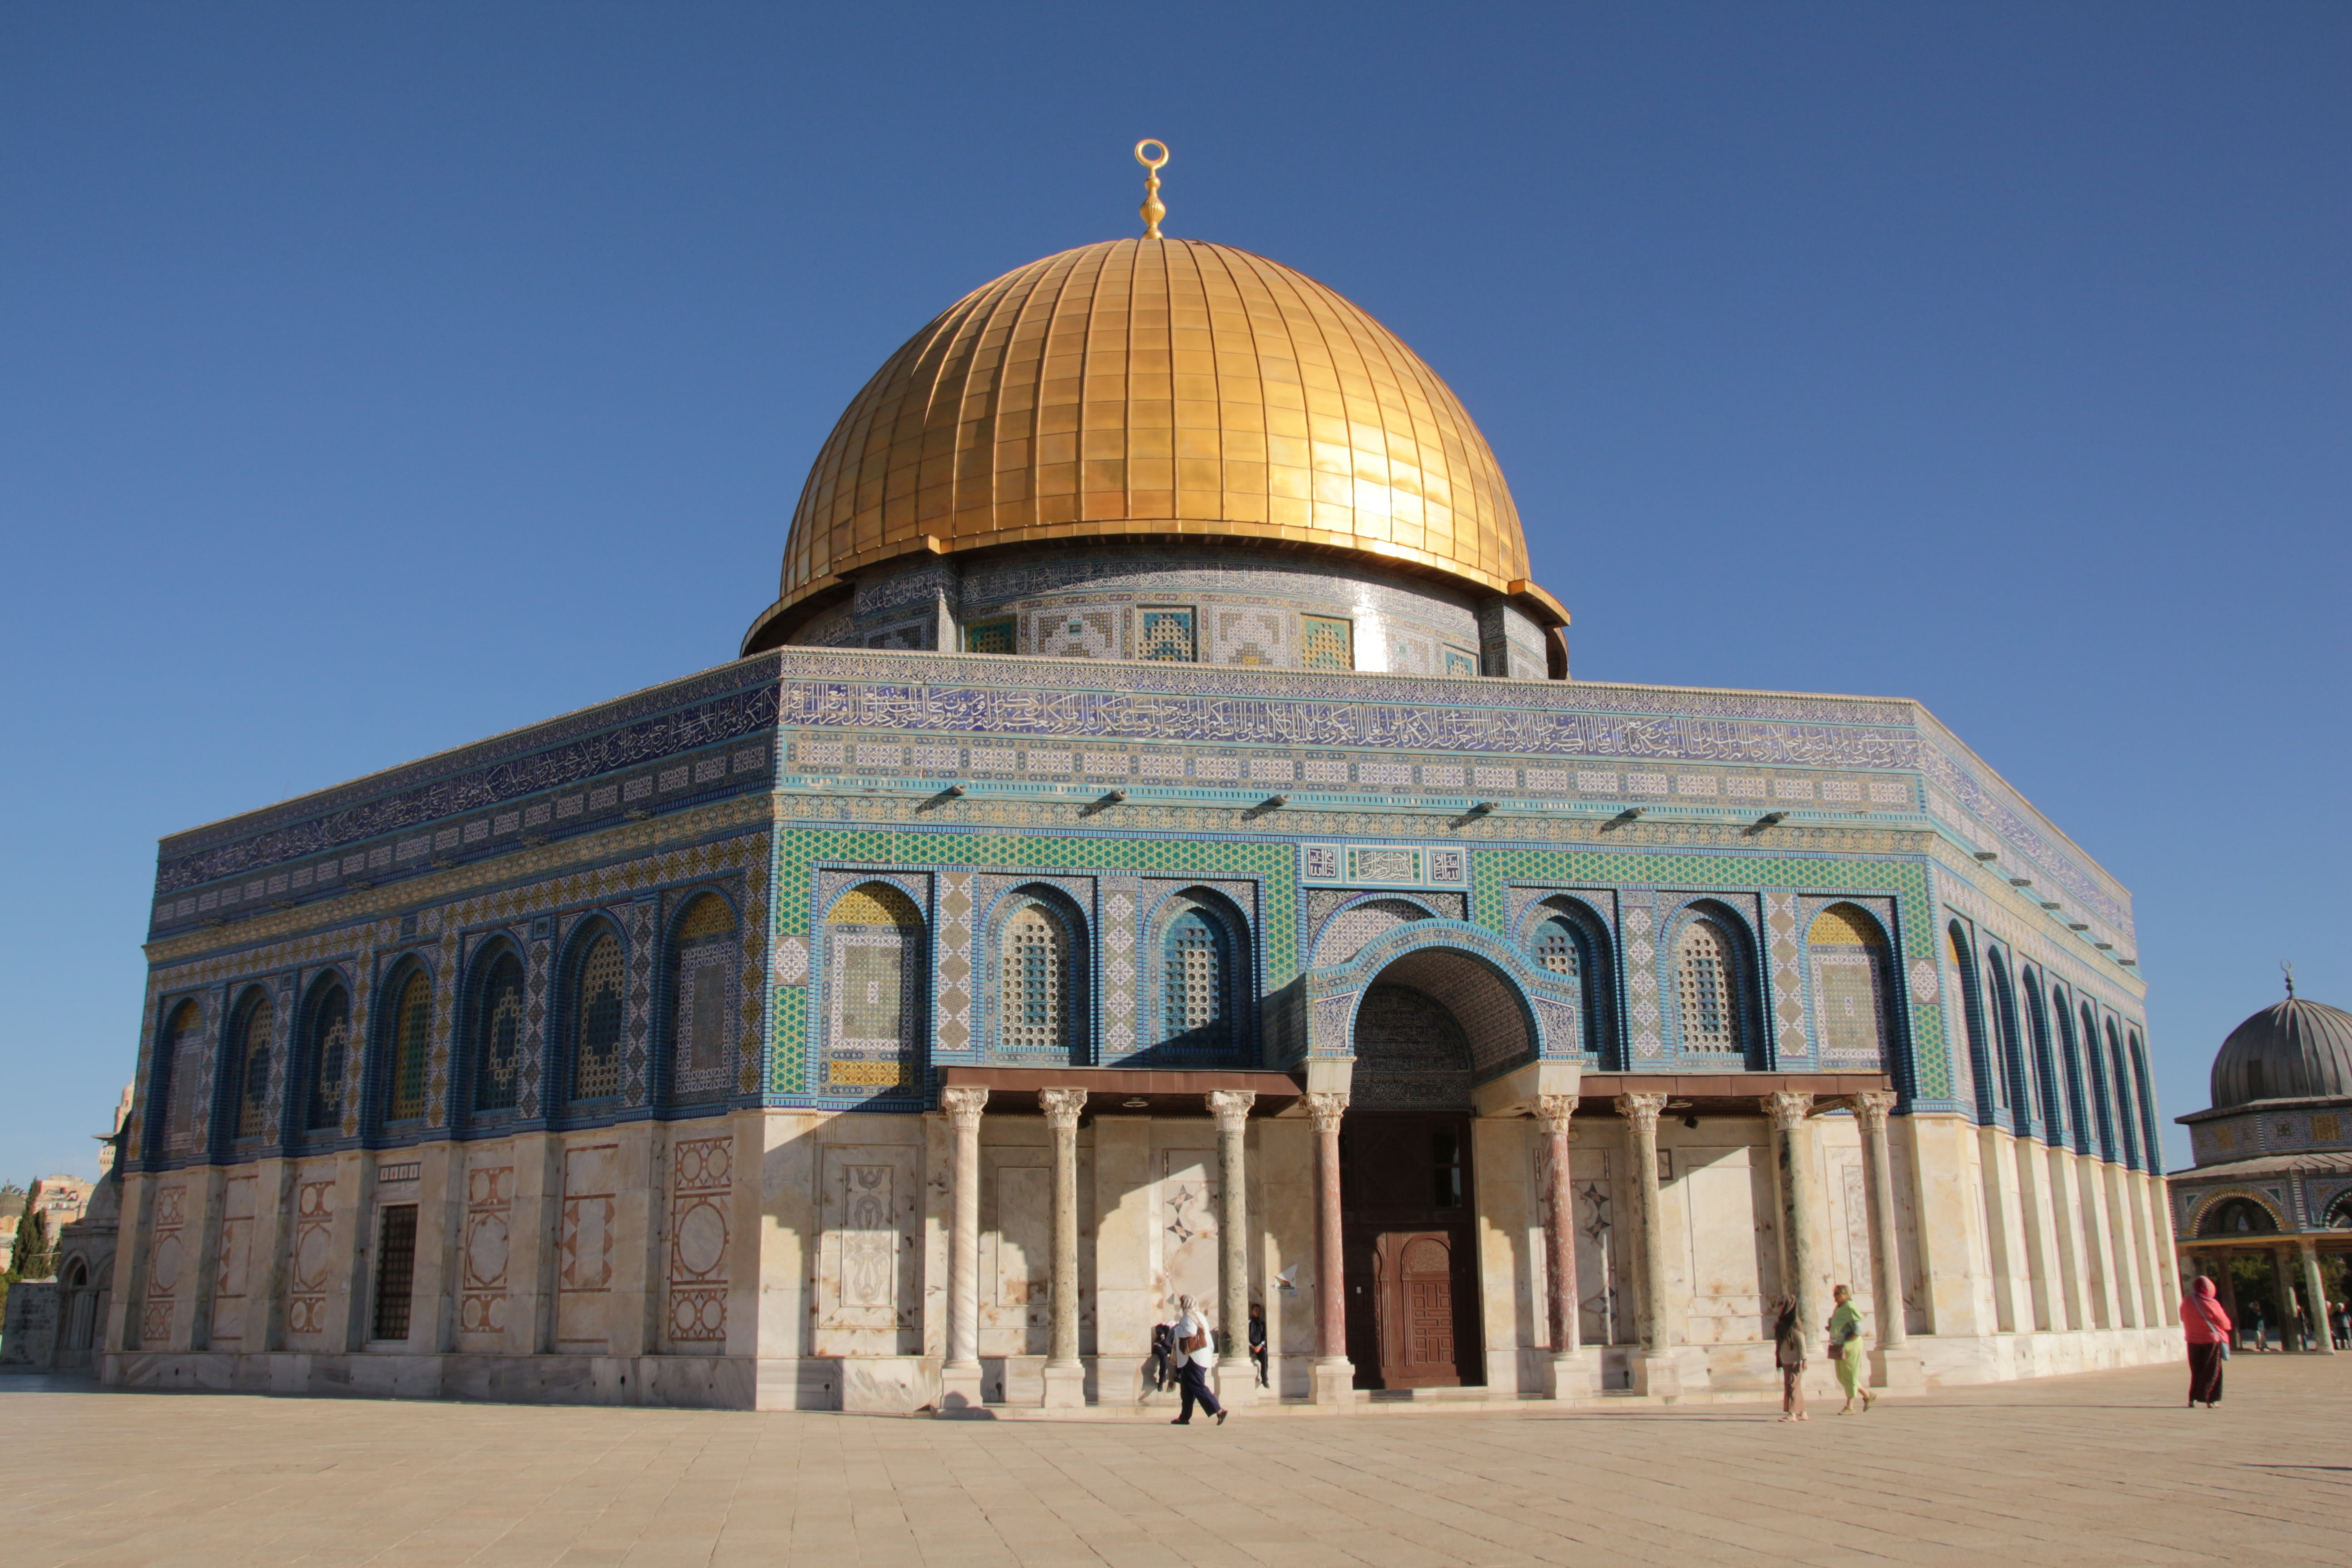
{"x":1845,"y":1349}
{"x":1789,"y":1355}
{"x":2206,"y":1326}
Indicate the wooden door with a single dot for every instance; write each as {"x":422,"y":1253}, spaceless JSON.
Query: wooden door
{"x":1417,"y":1309}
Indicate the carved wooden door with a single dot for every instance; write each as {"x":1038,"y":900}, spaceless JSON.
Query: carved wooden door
{"x":1417,"y":1309}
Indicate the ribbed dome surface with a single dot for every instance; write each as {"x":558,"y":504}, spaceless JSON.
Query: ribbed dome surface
{"x":1145,"y":388}
{"x":2295,"y":1050}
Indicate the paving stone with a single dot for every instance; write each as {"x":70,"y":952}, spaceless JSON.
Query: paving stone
{"x":2106,"y":1468}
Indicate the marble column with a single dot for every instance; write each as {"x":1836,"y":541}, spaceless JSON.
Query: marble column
{"x":2315,"y":1298}
{"x":960,"y":1378}
{"x":1652,"y":1365}
{"x":1556,"y":1115}
{"x":2281,"y":1296}
{"x":1236,"y":1373}
{"x":1065,"y":1376}
{"x":1334,"y":1375}
{"x":1892,"y":1364}
{"x":1791,"y":1159}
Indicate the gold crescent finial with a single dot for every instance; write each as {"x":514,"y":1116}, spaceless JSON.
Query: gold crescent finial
{"x":1153,"y":210}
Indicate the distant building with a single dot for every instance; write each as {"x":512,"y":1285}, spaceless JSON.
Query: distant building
{"x":2272,"y":1184}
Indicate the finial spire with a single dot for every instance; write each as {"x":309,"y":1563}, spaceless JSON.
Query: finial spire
{"x":2287,"y":966}
{"x":1153,"y":210}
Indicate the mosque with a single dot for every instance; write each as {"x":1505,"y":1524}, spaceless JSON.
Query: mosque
{"x":1153,"y":845}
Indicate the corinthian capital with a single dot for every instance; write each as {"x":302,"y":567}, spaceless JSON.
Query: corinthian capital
{"x":1062,"y":1106}
{"x":1870,"y":1108}
{"x":1642,"y":1112}
{"x":1787,"y":1108}
{"x":962,"y":1107}
{"x":1557,"y":1114}
{"x":1327,"y":1106}
{"x":1231,"y":1106}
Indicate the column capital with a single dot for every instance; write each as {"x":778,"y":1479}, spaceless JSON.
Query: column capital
{"x":1556,"y":1112}
{"x":1787,"y":1108}
{"x":1062,"y":1106}
{"x":963,"y":1106}
{"x":1871,"y":1110}
{"x":1231,"y":1106}
{"x":1642,"y":1111}
{"x":1327,"y":1106}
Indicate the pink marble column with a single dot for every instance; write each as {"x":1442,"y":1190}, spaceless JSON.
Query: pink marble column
{"x":1334,"y":1377}
{"x":1556,"y":1113}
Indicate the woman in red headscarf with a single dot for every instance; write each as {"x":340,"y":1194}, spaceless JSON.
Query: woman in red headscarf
{"x":2207,"y":1327}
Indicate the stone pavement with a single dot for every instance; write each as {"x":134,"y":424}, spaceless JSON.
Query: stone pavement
{"x":2100,"y":1469}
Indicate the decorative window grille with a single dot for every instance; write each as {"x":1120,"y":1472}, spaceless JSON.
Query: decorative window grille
{"x":1704,"y":983}
{"x":498,"y":1078}
{"x":1326,"y":643}
{"x":331,"y":1030}
{"x":412,"y":1047}
{"x":1036,"y":956}
{"x":989,"y":636}
{"x":181,"y":1077}
{"x":1195,"y":980}
{"x":1166,"y":634}
{"x":253,"y":1104}
{"x":1556,"y":948}
{"x":596,"y":1060}
{"x":396,"y":1272}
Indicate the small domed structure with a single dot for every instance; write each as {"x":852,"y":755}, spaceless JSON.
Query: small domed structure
{"x":2293,"y":1049}
{"x":2268,"y":1205}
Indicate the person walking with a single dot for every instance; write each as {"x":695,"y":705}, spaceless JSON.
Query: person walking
{"x":1195,"y":1354}
{"x":2256,"y":1327}
{"x":1789,"y":1355}
{"x":1163,"y":1354}
{"x":2339,"y":1323}
{"x":1257,"y":1339}
{"x":2207,"y":1328}
{"x":1845,"y":1349}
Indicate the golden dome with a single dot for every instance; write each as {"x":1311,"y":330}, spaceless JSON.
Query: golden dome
{"x":1145,"y":388}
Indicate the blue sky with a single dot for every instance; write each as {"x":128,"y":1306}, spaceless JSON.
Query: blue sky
{"x":376,"y":378}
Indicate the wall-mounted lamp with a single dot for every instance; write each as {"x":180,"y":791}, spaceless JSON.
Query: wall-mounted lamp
{"x":1271,"y":803}
{"x":1988,"y":854}
{"x":1104,"y":803}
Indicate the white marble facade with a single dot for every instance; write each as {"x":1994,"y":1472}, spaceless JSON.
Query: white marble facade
{"x":782,"y":1259}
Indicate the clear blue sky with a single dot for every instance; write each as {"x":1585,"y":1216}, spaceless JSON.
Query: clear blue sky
{"x":376,"y":378}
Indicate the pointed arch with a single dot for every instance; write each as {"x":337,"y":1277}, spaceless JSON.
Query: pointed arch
{"x":1849,"y":957}
{"x":875,"y":990}
{"x":405,"y":1043}
{"x":496,"y":997}
{"x":2050,"y":1097}
{"x":175,"y":1080}
{"x":2120,"y":1074}
{"x":324,"y":1054}
{"x":1568,"y":938}
{"x":253,"y":1036}
{"x":593,"y":1017}
{"x":1196,"y":981}
{"x":702,"y":972}
{"x":2102,"y":1101}
{"x":1039,"y":976}
{"x":1712,"y":987}
{"x":1961,"y":950}
{"x":2010,"y":1093}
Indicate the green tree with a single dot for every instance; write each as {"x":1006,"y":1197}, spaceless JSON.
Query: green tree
{"x":35,"y":1255}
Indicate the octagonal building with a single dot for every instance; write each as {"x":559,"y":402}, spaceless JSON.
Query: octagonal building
{"x":1153,"y":845}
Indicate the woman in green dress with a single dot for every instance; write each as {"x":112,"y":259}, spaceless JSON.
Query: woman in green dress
{"x":1845,"y":1349}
